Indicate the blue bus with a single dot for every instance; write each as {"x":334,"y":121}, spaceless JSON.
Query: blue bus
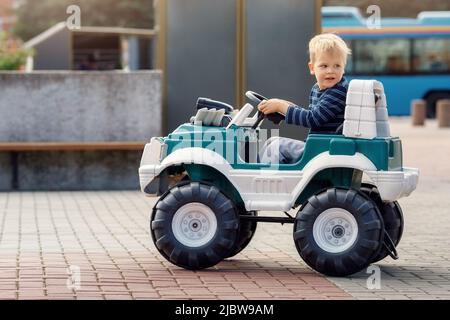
{"x":411,"y":57}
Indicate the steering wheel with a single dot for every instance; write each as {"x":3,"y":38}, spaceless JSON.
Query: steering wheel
{"x":257,"y":98}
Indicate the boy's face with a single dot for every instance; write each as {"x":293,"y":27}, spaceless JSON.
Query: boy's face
{"x":328,"y":69}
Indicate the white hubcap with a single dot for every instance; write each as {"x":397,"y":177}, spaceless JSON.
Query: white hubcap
{"x":194,"y":224}
{"x":335,"y":230}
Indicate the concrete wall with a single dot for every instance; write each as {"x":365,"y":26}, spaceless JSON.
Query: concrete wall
{"x":77,"y":106}
{"x":100,"y":170}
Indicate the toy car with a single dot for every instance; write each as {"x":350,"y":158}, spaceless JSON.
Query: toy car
{"x":345,"y":186}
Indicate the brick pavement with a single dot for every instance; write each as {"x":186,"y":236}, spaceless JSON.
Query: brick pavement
{"x":106,"y":235}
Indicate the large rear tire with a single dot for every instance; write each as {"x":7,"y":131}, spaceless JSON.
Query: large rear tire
{"x":392,"y":215}
{"x":194,"y":225}
{"x":338,"y":231}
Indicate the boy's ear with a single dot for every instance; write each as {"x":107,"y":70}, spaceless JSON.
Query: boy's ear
{"x":311,"y":68}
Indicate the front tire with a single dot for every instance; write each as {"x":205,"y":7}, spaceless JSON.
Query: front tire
{"x":246,"y":232}
{"x":194,"y":225}
{"x":338,"y":231}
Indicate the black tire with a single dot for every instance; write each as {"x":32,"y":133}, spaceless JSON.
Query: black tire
{"x":245,"y":234}
{"x":432,"y":100}
{"x":343,"y":215}
{"x":174,"y":219}
{"x":392,"y":215}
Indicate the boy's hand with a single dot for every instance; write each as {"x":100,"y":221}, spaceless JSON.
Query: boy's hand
{"x":274,"y":105}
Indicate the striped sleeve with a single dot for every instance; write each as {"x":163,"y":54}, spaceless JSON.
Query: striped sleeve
{"x":328,"y":107}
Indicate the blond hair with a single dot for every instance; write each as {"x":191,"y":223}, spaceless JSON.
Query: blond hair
{"x":328,"y":42}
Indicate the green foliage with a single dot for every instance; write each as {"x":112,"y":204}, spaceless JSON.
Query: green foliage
{"x":11,"y":59}
{"x":35,"y":17}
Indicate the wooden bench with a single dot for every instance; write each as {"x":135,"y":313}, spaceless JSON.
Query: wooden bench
{"x":71,"y":146}
{"x":15,"y":147}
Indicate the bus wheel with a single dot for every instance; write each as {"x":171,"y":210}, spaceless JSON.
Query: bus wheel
{"x":392,"y":217}
{"x":432,"y":100}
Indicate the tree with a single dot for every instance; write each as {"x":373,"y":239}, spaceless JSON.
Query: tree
{"x":11,"y":58}
{"x":35,"y":17}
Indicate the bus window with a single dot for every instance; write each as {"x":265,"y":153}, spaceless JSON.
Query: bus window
{"x":431,"y":55}
{"x":387,"y":56}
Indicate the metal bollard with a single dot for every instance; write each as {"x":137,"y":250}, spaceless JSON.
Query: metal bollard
{"x":418,"y":112}
{"x":443,"y":113}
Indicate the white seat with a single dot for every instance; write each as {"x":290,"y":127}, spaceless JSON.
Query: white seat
{"x":365,"y":117}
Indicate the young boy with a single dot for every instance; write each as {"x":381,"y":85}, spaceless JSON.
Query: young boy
{"x":328,"y":57}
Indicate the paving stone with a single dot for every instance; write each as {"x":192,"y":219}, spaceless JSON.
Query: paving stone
{"x":105,"y":234}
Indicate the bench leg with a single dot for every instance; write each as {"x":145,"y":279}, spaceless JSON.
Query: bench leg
{"x":15,"y":170}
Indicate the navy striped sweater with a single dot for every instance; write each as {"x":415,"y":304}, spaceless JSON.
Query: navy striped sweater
{"x":326,"y":109}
